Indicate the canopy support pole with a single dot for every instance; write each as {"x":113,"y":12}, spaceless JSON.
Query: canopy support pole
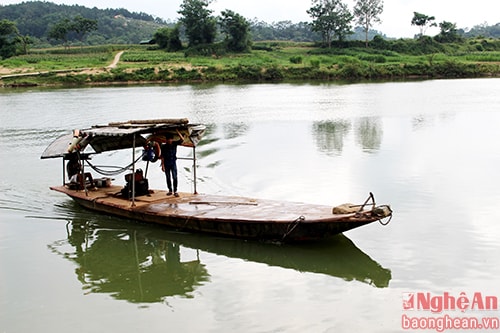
{"x":133,"y":171}
{"x":84,"y":182}
{"x":194,"y":170}
{"x":64,"y":172}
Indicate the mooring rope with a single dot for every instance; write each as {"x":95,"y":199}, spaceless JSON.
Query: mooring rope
{"x":291,"y":226}
{"x":385,"y":223}
{"x":381,"y":213}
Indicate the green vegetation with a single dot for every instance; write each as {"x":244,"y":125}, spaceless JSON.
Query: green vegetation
{"x":268,"y":62}
{"x":62,"y":59}
{"x":206,"y":48}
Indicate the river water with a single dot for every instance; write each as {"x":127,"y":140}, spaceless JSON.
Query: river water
{"x":429,"y":149}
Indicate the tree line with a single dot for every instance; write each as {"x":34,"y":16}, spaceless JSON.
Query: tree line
{"x":44,"y":24}
{"x":330,"y":19}
{"x":201,"y":30}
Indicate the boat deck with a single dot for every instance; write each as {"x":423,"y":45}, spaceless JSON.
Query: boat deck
{"x":204,"y":206}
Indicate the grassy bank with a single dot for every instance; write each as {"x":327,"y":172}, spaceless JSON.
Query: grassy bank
{"x":273,"y":62}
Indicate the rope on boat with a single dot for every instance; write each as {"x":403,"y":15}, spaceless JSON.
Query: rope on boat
{"x":385,"y":223}
{"x":119,"y":170}
{"x":382,"y":212}
{"x":370,"y":197}
{"x":291,"y":226}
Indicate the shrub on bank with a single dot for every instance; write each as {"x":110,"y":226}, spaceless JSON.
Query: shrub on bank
{"x":182,"y":74}
{"x":248,"y":73}
{"x":273,"y":73}
{"x":296,"y":59}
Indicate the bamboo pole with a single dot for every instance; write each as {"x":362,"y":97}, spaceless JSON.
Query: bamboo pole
{"x":133,"y":171}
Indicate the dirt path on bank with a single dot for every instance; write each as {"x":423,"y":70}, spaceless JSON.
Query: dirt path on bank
{"x":9,"y":73}
{"x":115,"y":60}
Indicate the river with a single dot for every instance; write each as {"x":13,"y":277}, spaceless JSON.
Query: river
{"x":427,"y":148}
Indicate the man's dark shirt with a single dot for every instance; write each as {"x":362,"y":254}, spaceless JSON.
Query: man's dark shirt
{"x":169,"y":152}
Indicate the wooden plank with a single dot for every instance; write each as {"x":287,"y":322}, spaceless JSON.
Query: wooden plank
{"x":173,"y":121}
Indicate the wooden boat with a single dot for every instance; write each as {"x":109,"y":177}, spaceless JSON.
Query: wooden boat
{"x":240,"y":217}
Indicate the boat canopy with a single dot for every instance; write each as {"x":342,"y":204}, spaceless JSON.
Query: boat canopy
{"x":123,"y":135}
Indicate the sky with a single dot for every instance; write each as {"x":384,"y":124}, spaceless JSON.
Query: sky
{"x":396,"y":18}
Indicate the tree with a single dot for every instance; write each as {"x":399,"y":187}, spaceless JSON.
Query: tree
{"x":330,"y":18}
{"x":24,"y":41}
{"x":367,"y":13}
{"x":60,"y":31}
{"x":78,"y":25}
{"x":8,"y":39}
{"x":200,"y":26}
{"x":82,"y":26}
{"x":237,"y":30}
{"x":422,"y":20}
{"x":448,"y":33}
{"x":168,"y":39}
{"x":282,"y":30}
{"x":11,"y":41}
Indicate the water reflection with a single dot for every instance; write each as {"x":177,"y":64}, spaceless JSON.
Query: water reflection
{"x":143,"y":263}
{"x":338,"y":257}
{"x":369,"y":133}
{"x":128,"y":264}
{"x":330,"y":135}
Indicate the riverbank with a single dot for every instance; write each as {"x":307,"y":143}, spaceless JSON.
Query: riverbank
{"x":274,"y":62}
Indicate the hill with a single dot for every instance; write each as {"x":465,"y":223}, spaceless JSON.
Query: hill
{"x":115,"y":26}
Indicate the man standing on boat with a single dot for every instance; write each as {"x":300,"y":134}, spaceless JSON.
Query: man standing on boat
{"x":169,"y":161}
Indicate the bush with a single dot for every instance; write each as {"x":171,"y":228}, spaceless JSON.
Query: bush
{"x":252,"y":72}
{"x":273,"y":74}
{"x":145,"y":74}
{"x":262,"y":47}
{"x":182,"y":74}
{"x":452,"y":68}
{"x":74,"y":79}
{"x":351,"y":71}
{"x":119,"y":74}
{"x":315,"y":63}
{"x":296,"y":60}
{"x":206,"y":50}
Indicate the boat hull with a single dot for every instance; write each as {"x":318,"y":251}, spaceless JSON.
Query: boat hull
{"x":230,"y":216}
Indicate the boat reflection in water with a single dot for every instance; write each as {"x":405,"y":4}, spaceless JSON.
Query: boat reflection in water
{"x":142,"y":263}
{"x":128,"y":263}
